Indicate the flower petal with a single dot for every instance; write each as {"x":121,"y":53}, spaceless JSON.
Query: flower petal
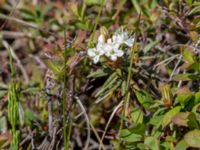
{"x":96,"y":59}
{"x":101,"y":39}
{"x":129,"y":42}
{"x":91,"y":52}
{"x":119,"y":53}
{"x":114,"y":38}
{"x":107,"y":50}
{"x":101,"y":48}
{"x":113,"y":57}
{"x":117,"y":39}
{"x":109,"y":41}
{"x":115,"y":46}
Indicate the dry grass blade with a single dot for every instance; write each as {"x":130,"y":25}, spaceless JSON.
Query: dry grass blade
{"x":23,"y":70}
{"x":88,"y":125}
{"x":109,"y":121}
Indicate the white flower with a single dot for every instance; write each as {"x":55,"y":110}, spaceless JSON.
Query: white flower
{"x":111,"y":47}
{"x":119,"y":38}
{"x":115,"y":54}
{"x":96,"y":53}
{"x":112,"y":50}
{"x":123,"y":38}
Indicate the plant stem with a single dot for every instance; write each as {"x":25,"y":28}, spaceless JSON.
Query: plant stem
{"x":96,"y":22}
{"x":70,"y":126}
{"x":64,"y":93}
{"x":13,"y":105}
{"x":127,"y":96}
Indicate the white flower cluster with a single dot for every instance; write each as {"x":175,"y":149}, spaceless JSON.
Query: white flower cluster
{"x":110,"y":47}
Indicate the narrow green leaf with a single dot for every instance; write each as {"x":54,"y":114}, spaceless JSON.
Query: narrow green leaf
{"x":197,"y":97}
{"x":123,"y":88}
{"x":186,"y":77}
{"x":149,"y":46}
{"x":109,"y":83}
{"x":168,"y":116}
{"x":98,"y":73}
{"x":94,"y":2}
{"x":110,"y":79}
{"x":194,"y":10}
{"x":136,"y":5}
{"x":21,"y":114}
{"x":189,"y":2}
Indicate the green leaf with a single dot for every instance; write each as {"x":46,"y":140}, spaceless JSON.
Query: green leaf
{"x":28,"y":15}
{"x":195,"y":66}
{"x":156,"y":120}
{"x":192,"y":121}
{"x":56,"y":66}
{"x":149,"y":46}
{"x":167,"y":146}
{"x":14,"y":147}
{"x":194,"y":10}
{"x":186,"y":77}
{"x":182,"y":145}
{"x":152,"y":142}
{"x":29,"y":116}
{"x":154,"y":3}
{"x":189,"y":56}
{"x":94,"y":2}
{"x":137,"y":6}
{"x":144,"y":98}
{"x":142,"y":146}
{"x":137,"y":116}
{"x":110,"y":79}
{"x":169,"y":115}
{"x":138,"y":129}
{"x":21,"y":114}
{"x":184,"y":98}
{"x":192,"y":138}
{"x":195,"y":110}
{"x":123,"y":88}
{"x":98,"y":73}
{"x":189,"y":2}
{"x":197,"y":97}
{"x":134,"y":134}
{"x":129,"y":136}
{"x":109,"y":91}
{"x":110,"y":82}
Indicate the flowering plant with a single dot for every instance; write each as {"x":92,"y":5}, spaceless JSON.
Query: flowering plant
{"x":111,"y":47}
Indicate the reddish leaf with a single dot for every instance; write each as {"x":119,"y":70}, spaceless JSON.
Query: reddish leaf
{"x":181,"y":119}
